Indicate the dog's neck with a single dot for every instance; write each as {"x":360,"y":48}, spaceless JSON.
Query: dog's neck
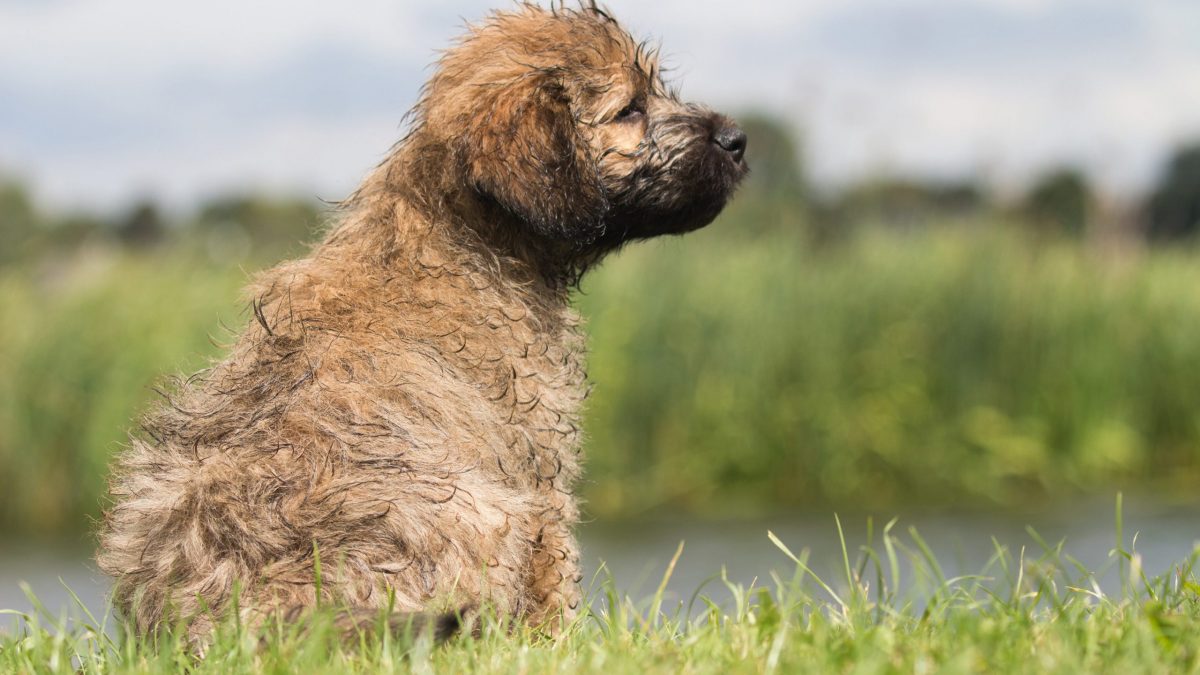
{"x":386,"y":226}
{"x":415,"y":200}
{"x":492,"y":313}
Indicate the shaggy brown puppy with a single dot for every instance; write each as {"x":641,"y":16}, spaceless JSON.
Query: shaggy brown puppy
{"x":405,"y":402}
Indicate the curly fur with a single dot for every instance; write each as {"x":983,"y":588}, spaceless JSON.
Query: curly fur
{"x":405,"y":401}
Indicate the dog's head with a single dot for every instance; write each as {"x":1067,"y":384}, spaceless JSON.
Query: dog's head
{"x":561,"y":120}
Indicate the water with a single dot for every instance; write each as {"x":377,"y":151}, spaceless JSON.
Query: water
{"x":962,"y":544}
{"x":637,"y":554}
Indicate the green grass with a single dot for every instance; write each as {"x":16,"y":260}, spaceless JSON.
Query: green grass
{"x":891,"y":611}
{"x":963,"y":365}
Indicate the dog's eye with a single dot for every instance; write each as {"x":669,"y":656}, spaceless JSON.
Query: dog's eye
{"x":634,"y":111}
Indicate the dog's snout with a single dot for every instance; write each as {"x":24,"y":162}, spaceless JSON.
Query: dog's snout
{"x":732,"y":140}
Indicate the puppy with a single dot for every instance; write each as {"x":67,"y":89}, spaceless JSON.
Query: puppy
{"x":402,"y":412}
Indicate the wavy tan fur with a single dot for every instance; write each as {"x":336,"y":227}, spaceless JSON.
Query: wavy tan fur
{"x":405,"y":401}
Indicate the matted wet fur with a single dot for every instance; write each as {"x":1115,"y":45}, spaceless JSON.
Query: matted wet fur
{"x":405,"y":400}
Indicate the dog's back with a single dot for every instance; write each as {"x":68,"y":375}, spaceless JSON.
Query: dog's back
{"x":416,"y":425}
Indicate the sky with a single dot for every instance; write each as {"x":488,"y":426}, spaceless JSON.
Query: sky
{"x":103,"y":102}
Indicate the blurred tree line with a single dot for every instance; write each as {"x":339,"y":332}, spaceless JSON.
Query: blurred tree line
{"x":777,"y":195}
{"x":228,"y":228}
{"x":1060,"y":201}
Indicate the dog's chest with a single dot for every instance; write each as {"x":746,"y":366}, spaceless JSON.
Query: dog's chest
{"x":516,"y":367}
{"x":534,"y":382}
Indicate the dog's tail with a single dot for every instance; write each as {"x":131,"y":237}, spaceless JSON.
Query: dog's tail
{"x":440,"y":627}
{"x":354,"y":623}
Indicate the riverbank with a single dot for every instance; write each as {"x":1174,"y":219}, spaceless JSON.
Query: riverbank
{"x":890,"y":605}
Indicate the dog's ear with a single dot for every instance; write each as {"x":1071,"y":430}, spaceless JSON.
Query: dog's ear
{"x":523,"y":149}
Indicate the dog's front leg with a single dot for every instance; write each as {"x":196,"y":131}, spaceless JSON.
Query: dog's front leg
{"x":555,"y":576}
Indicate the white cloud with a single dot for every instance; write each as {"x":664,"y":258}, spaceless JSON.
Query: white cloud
{"x":127,"y":41}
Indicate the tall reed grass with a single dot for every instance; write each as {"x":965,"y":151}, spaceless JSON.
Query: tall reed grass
{"x":963,"y":365}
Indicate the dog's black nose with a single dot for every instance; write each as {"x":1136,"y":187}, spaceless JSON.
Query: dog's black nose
{"x":732,"y":140}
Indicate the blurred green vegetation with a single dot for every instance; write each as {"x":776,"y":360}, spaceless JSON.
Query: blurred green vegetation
{"x":943,"y":367}
{"x":79,"y":359}
{"x":899,"y":344}
{"x":1060,"y":201}
{"x":1173,"y":209}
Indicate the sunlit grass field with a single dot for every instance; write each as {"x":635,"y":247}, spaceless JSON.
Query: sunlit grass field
{"x":890,"y":610}
{"x":964,"y":365}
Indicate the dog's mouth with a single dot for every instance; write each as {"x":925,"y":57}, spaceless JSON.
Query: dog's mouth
{"x":704,"y":184}
{"x":697,"y":202}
